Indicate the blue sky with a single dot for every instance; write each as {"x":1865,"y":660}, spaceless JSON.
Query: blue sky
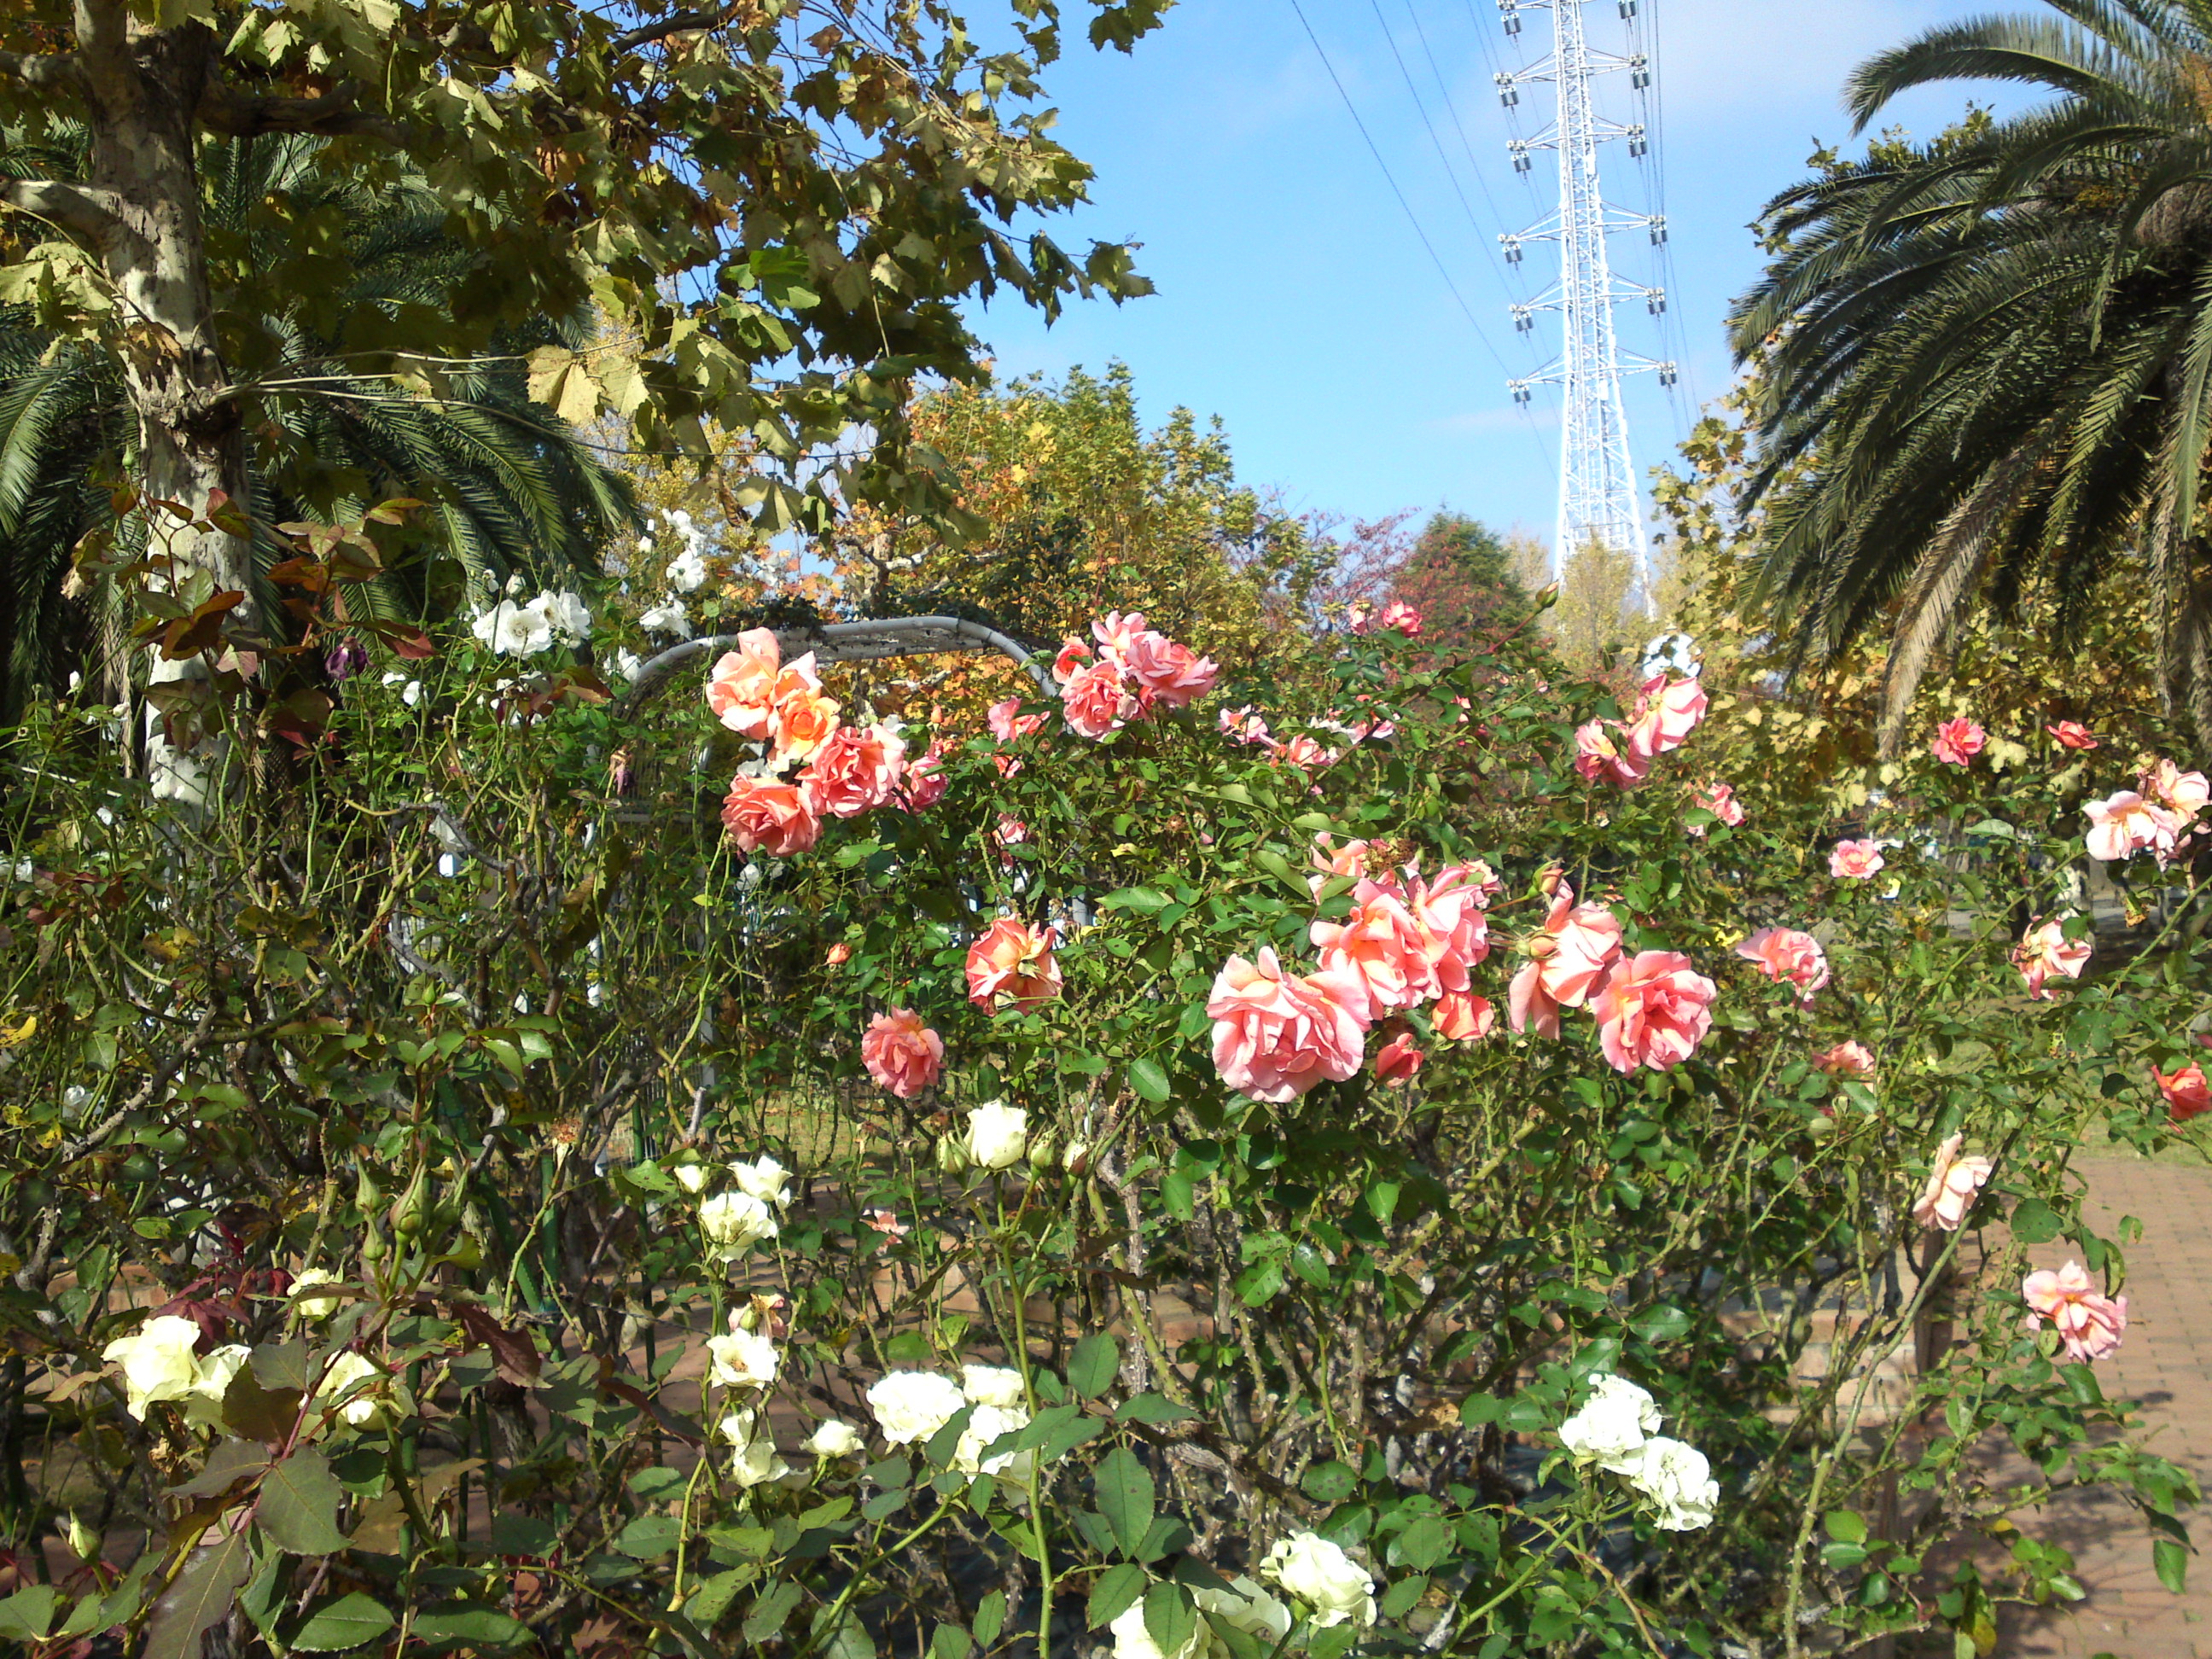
{"x":1296,"y":300}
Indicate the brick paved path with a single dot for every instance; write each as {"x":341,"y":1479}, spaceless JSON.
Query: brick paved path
{"x":2165,"y":1364}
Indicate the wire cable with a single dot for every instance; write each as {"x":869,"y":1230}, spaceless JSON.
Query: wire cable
{"x":1374,"y":149}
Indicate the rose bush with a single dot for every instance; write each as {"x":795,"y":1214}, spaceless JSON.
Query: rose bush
{"x":1097,"y":1206}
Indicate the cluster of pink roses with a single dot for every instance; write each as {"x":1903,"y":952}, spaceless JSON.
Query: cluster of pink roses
{"x":848,"y":769}
{"x":1397,"y":616}
{"x":1406,"y":941}
{"x":1719,"y":799}
{"x":1621,"y":752}
{"x":2154,"y":816}
{"x":1652,"y":1009}
{"x":1134,"y":670}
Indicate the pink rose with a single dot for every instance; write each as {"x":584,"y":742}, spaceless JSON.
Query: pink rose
{"x":741,"y":690}
{"x":1096,"y":701}
{"x":1846,"y":1060}
{"x":1719,"y":799}
{"x":1951,"y":1184}
{"x":2187,"y":1094}
{"x":1115,"y":633}
{"x":2181,"y":791}
{"x":1011,"y":966}
{"x":1303,"y":751}
{"x":1462,"y":1017}
{"x":1401,"y":616}
{"x":1455,"y":934}
{"x":1957,"y":742}
{"x":1009,"y":725}
{"x":1597,"y":755}
{"x":885,"y":1222}
{"x":1276,"y":1036}
{"x":2124,"y":823}
{"x":1783,"y":953}
{"x":856,"y":769}
{"x":2047,"y":950}
{"x":2089,"y":1322}
{"x":1854,"y":860}
{"x":901,"y":1054}
{"x":1009,"y":831}
{"x":803,"y":719}
{"x":1074,"y":655}
{"x":1568,"y":959}
{"x":1381,"y":945}
{"x":1330,"y":860}
{"x":2072,"y":734}
{"x":837,"y":955}
{"x":762,"y":815}
{"x":1653,"y":1010}
{"x":1244,"y":726}
{"x":1665,"y":716}
{"x":1167,"y":672}
{"x":925,"y":782}
{"x":1396,"y":1060}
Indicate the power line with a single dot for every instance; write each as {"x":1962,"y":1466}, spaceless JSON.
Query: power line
{"x":1373,"y":149}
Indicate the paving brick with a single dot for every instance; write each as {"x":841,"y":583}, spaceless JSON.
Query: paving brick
{"x":2165,"y":1364}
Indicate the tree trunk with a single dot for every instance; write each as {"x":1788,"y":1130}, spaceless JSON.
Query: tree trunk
{"x":143,"y":89}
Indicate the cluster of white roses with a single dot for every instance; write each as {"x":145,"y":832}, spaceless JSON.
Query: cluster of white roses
{"x":686,"y":573}
{"x":1617,"y":1429}
{"x":159,"y":1362}
{"x":513,"y":628}
{"x":912,"y":1405}
{"x":736,"y":1219}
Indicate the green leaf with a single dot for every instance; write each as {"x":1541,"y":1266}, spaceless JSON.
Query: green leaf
{"x":1664,"y":1323}
{"x":523,"y":1535}
{"x":649,"y":1536}
{"x":1091,"y":1367}
{"x":299,"y":1506}
{"x":1330,"y":1483}
{"x":949,"y":1642}
{"x":710,"y":1599}
{"x":1170,"y":1617}
{"x":1125,"y":1499}
{"x":1146,"y":1078}
{"x":990,"y":1617}
{"x":1399,"y":1599}
{"x":2172,"y":1561}
{"x":1422,"y":1545}
{"x":1845,"y":1526}
{"x":29,"y":1614}
{"x":352,"y":1621}
{"x":1111,"y":1596}
{"x":2034,"y":1222}
{"x":2082,"y":1382}
{"x":470,"y":1624}
{"x":199,"y":1600}
{"x":774,"y":1606}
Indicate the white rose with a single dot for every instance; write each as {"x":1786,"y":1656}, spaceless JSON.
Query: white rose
{"x":835,"y":1437}
{"x":567,"y":615}
{"x":691,"y":1177}
{"x":1247,"y":1606}
{"x":912,"y":1405}
{"x":992,"y":1385}
{"x":764,"y":1179}
{"x":211,"y":1375}
{"x":1678,"y":1479}
{"x":997,"y":1134}
{"x":987,"y":1423}
{"x":667,"y":618}
{"x":157,"y":1362}
{"x":687,"y":573}
{"x":627,"y":663}
{"x":734,"y":1222}
{"x":411,"y":693}
{"x":1132,"y":1641}
{"x":1323,"y":1576}
{"x":1611,"y":1427}
{"x":744,"y":1359}
{"x":515,"y":630}
{"x":315,"y":1307}
{"x":363,"y":1407}
{"x":755,"y":1462}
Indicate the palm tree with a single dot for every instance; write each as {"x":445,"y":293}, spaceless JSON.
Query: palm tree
{"x":507,"y":487}
{"x":1985,"y":365}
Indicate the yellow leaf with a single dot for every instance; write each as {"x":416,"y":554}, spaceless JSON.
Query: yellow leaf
{"x":11,"y":1035}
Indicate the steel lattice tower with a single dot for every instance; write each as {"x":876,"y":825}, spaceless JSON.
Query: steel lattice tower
{"x":1598,"y":500}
